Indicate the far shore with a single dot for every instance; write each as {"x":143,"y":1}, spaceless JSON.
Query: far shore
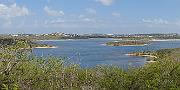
{"x":113,"y":39}
{"x":128,"y":45}
{"x":57,"y":40}
{"x":150,"y":40}
{"x":165,"y":40}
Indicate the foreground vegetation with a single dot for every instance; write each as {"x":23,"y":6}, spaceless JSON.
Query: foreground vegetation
{"x":20,"y":70}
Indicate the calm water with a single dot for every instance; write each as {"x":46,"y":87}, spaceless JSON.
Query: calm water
{"x":92,"y":52}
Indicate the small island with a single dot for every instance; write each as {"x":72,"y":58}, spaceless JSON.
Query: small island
{"x":127,"y":43}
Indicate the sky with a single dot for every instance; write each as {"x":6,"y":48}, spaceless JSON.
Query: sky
{"x":90,"y":16}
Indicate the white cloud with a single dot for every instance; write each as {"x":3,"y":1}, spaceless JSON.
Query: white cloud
{"x":51,"y":12}
{"x":9,"y":12}
{"x":91,"y":11}
{"x":13,"y":11}
{"x":55,"y":21}
{"x":88,"y":20}
{"x":155,"y":21}
{"x":116,"y":14}
{"x":105,"y":2}
{"x":89,"y":16}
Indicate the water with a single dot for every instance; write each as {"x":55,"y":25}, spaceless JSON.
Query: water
{"x":92,"y":52}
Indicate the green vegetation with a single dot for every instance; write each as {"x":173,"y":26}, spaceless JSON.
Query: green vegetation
{"x":14,"y":41}
{"x":21,"y":71}
{"x":126,"y":43}
{"x":159,"y":54}
{"x":169,"y":53}
{"x":143,"y":54}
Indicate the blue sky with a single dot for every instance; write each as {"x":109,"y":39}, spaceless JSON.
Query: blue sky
{"x":90,"y":16}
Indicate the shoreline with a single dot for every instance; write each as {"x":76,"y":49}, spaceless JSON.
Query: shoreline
{"x":151,"y":61}
{"x":138,"y":55}
{"x":44,"y":47}
{"x":57,"y":40}
{"x":128,"y":45}
{"x":165,"y":40}
{"x":112,"y":39}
